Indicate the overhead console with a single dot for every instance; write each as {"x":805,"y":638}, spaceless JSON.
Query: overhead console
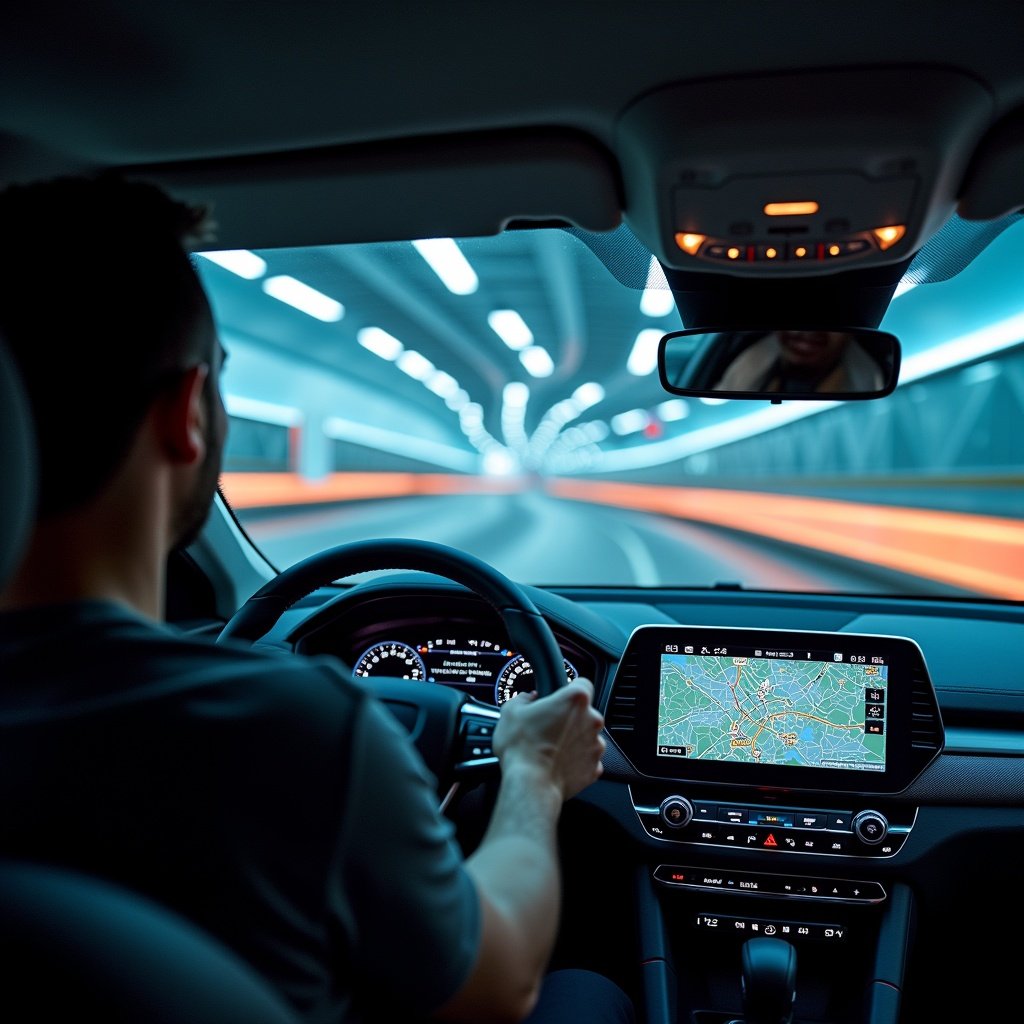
{"x":769,"y":175}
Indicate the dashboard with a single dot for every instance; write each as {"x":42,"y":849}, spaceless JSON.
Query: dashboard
{"x":875,"y":810}
{"x":946,"y":660}
{"x":441,"y":638}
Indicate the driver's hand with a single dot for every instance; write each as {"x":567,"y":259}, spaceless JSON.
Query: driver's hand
{"x":559,"y":735}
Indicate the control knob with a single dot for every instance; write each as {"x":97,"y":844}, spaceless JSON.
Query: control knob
{"x":676,"y":811}
{"x":870,"y":827}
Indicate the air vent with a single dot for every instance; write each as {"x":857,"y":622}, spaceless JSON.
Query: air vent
{"x":621,"y":716}
{"x":925,"y":726}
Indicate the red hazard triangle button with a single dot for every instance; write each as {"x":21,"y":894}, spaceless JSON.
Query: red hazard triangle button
{"x":770,"y":841}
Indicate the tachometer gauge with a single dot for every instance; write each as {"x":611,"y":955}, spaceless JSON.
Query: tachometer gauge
{"x":391,"y":658}
{"x":517,"y":677}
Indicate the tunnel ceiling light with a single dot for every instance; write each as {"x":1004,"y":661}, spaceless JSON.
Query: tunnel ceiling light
{"x":500,"y":461}
{"x":262,"y":412}
{"x":537,"y":361}
{"x":657,"y":299}
{"x":587,"y":395}
{"x":239,"y":261}
{"x":516,"y":395}
{"x":300,"y":296}
{"x":444,"y":385}
{"x":672,"y":410}
{"x":630,"y":422}
{"x":416,"y":366}
{"x":457,"y":401}
{"x":446,"y":260}
{"x":792,"y":209}
{"x":643,"y":359}
{"x":380,"y":343}
{"x":508,"y":325}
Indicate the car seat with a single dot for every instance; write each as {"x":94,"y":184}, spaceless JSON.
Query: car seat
{"x":73,"y":946}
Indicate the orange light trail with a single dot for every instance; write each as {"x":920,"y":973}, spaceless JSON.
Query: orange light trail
{"x":984,"y":554}
{"x":268,"y":490}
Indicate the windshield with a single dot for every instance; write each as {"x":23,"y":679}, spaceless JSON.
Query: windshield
{"x":501,"y":395}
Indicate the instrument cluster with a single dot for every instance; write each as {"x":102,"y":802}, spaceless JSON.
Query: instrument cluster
{"x":485,"y":668}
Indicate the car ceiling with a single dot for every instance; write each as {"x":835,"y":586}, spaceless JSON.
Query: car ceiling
{"x":120,"y":83}
{"x":237,"y":100}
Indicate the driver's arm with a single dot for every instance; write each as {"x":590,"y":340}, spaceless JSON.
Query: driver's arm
{"x":550,"y":749}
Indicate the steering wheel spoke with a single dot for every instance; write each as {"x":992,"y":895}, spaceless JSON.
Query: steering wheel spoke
{"x":475,"y":745}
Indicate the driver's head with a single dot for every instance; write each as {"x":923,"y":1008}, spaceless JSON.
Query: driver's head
{"x":102,"y":309}
{"x":811,"y":353}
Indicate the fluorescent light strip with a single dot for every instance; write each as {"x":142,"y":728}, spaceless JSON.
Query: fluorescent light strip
{"x":537,"y":361}
{"x":239,"y":261}
{"x":508,"y":325}
{"x":513,"y":415}
{"x":630,"y":422}
{"x":417,"y":366}
{"x":303,"y":298}
{"x":446,"y":260}
{"x":997,"y":337}
{"x":380,"y":343}
{"x":672,"y":410}
{"x":643,"y":359}
{"x":262,"y":412}
{"x":402,"y":444}
{"x":587,"y":395}
{"x":444,"y":385}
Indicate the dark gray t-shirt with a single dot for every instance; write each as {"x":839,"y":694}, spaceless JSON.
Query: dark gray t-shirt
{"x":271,"y":799}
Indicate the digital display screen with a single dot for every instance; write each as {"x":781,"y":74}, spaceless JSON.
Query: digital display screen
{"x":773,"y":706}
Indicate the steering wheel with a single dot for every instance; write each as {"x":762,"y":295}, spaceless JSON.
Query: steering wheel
{"x":451,"y":731}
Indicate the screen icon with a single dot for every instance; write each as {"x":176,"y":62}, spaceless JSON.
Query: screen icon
{"x":837,"y":656}
{"x":688,"y":649}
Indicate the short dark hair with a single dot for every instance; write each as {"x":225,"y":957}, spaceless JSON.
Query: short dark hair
{"x":99,"y":303}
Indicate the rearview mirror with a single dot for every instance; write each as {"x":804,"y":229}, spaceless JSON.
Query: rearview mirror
{"x":792,"y":363}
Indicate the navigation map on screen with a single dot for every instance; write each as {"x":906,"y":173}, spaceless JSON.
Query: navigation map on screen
{"x":778,"y":711}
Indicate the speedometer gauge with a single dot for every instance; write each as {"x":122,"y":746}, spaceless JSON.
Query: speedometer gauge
{"x":517,"y":677}
{"x":391,"y":658}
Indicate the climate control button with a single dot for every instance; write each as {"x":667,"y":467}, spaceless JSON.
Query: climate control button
{"x":676,"y":811}
{"x":870,"y":827}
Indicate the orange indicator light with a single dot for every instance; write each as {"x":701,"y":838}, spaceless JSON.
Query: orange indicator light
{"x":689,"y":241}
{"x":887,"y":237}
{"x":733,"y":253}
{"x":771,"y":253}
{"x":834,"y":250}
{"x":800,"y":252}
{"x":790,"y":209}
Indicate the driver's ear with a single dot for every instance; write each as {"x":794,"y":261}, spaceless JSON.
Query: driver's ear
{"x":181,"y":416}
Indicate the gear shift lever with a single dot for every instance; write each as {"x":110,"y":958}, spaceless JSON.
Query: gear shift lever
{"x":768,"y":981}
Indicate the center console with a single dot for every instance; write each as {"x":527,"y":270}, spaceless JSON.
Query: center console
{"x":766,"y":772}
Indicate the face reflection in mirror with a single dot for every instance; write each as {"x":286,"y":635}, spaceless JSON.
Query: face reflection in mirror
{"x":807,"y":357}
{"x":791,"y":361}
{"x":812,"y":363}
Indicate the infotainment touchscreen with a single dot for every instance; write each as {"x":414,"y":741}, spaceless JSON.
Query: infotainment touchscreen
{"x":773,"y":707}
{"x":766,"y":705}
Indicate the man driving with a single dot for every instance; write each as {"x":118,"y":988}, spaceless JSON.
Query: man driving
{"x":271,"y":799}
